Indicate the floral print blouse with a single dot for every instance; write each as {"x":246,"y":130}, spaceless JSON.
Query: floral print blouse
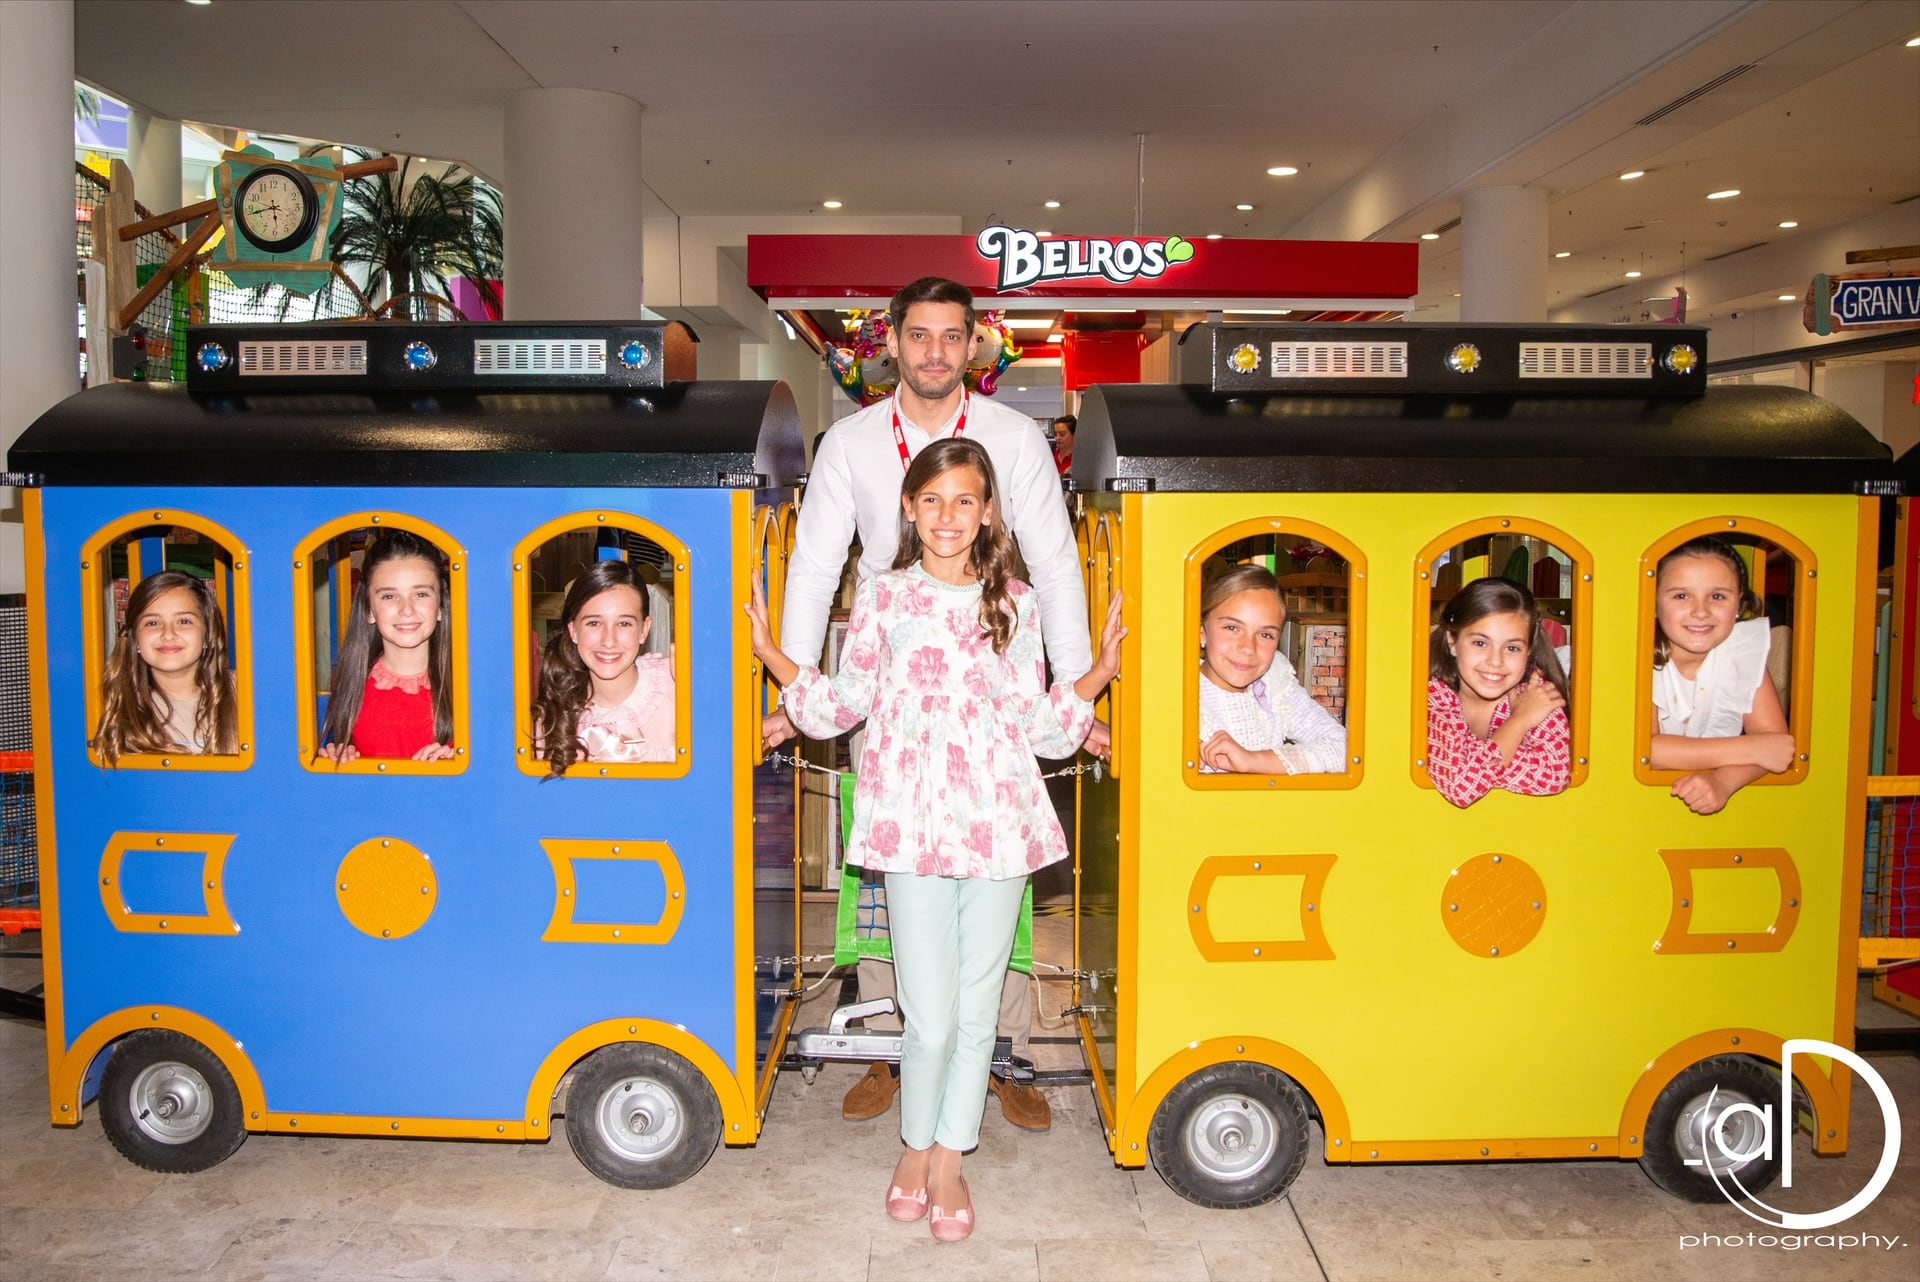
{"x":948,"y":785}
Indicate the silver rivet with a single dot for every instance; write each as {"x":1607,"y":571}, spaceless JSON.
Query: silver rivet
{"x":1256,"y":865}
{"x":1739,"y":859}
{"x":1733,"y":525}
{"x":386,"y":934}
{"x":1586,"y":578}
{"x":616,"y":932}
{"x":1736,"y":1041}
{"x":163,"y":923}
{"x":376,"y":520}
{"x":1483,"y":1152}
{"x":1503,"y":525}
{"x":1196,"y":908}
{"x":1793,"y":903}
{"x":1256,"y":952}
{"x":1496,"y":859}
{"x":382,"y":766}
{"x":1423,"y":574}
{"x":394,"y":1125}
{"x":516,"y":565}
{"x":1338,"y":1143}
{"x":1494,"y":951}
{"x":1309,"y":907}
{"x":1373,"y":1152}
{"x":1686,"y":903}
{"x":1536,"y":905}
{"x":1453,"y":908}
{"x":1593,"y":1148}
{"x":1730,"y":943}
{"x":384,"y":842}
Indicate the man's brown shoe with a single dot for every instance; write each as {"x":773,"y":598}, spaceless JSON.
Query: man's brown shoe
{"x":872,"y":1095}
{"x":1022,"y":1103}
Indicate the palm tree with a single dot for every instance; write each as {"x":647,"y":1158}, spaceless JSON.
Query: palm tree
{"x":86,"y":104}
{"x":412,"y":231}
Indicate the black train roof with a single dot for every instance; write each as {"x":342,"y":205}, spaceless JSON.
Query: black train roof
{"x":681,"y":435}
{"x":1249,"y":430}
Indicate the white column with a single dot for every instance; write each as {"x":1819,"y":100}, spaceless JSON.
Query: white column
{"x":40,"y":359}
{"x":1503,"y":254}
{"x":153,"y":153}
{"x":572,"y":199}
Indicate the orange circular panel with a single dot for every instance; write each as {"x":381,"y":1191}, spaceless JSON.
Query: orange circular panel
{"x":386,"y":888}
{"x":1493,"y":905}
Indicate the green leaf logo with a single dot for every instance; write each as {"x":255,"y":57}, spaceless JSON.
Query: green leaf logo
{"x":1178,"y":250}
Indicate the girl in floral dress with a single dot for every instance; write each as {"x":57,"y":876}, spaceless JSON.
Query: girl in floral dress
{"x":943,"y":659}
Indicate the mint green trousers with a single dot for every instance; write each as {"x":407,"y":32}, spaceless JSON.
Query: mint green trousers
{"x":951,"y":940}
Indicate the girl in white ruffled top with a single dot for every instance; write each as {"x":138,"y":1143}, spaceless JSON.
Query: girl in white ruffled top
{"x":1255,"y":717}
{"x":601,"y":699}
{"x":1719,"y":717}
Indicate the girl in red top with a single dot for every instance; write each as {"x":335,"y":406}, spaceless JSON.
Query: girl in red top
{"x":1496,"y":698}
{"x":392,"y":681}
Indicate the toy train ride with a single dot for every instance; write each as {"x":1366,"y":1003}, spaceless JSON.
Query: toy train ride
{"x":267,"y":942}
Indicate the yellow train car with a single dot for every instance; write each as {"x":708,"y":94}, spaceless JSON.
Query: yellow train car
{"x":1597,"y":973}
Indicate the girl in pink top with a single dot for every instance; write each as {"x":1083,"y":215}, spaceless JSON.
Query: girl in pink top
{"x":600,"y":698}
{"x":1496,"y":698}
{"x":392,"y":691}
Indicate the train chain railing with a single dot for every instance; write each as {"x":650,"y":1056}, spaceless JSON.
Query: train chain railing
{"x":1093,"y":767}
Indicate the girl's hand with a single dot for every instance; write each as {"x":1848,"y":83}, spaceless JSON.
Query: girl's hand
{"x":1771,"y":752}
{"x":1533,"y":700}
{"x":340,"y":753}
{"x":762,"y":636}
{"x":1222,"y":751}
{"x":435,"y":752}
{"x":1702,"y":792}
{"x":1106,"y":664}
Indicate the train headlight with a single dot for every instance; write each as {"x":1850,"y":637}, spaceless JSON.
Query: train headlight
{"x":633,"y":354}
{"x":419,"y":358}
{"x":1464,"y":358}
{"x":1244,"y":359}
{"x":1681,"y":359}
{"x":212,"y":358}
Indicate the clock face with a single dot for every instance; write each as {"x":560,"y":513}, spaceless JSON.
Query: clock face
{"x":275,"y":208}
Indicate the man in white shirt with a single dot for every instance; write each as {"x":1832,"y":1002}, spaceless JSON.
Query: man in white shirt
{"x":854,"y":487}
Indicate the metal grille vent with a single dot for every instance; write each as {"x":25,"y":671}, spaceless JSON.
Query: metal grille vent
{"x":1586,"y":360}
{"x":303,"y":356}
{"x":539,"y":356}
{"x":1339,"y":360}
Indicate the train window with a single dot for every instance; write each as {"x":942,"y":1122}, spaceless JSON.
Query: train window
{"x":601,"y":606}
{"x":1488,"y":570}
{"x":1275,"y":608}
{"x":167,"y":627}
{"x":1739,"y":594}
{"x":380,"y":646}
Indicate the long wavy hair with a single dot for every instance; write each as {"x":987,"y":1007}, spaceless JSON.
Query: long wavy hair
{"x":362,"y":645}
{"x":1707,"y":545}
{"x":134,"y":712}
{"x":994,"y":557}
{"x":1475,"y":602}
{"x":566,"y":687}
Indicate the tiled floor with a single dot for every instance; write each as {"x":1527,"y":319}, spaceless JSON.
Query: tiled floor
{"x":806,"y":1203}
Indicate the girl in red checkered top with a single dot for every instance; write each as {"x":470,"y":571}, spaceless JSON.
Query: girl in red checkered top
{"x":1496,"y":698}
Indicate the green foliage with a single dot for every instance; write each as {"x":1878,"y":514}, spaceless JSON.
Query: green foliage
{"x":86,"y":104}
{"x":411,"y":231}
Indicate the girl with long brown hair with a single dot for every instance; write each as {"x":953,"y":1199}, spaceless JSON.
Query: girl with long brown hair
{"x":167,"y":687}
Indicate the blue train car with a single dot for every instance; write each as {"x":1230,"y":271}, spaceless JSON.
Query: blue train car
{"x":265,"y":941}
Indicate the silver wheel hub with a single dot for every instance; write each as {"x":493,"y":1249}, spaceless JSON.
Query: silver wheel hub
{"x":1705,"y":1132}
{"x":1231,"y":1137}
{"x":640,"y":1118}
{"x":171,"y":1103}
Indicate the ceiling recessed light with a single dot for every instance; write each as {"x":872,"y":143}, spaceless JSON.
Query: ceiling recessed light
{"x":1053,"y":204}
{"x":1633,"y":275}
{"x":1028,"y":322}
{"x":1213,"y":235}
{"x":1243,"y":208}
{"x":200,"y":3}
{"x":830,"y":204}
{"x":1019,"y":389}
{"x":1053,"y":338}
{"x":1789,"y":225}
{"x":1632,"y":174}
{"x":1565,"y":253}
{"x":1787,"y":298}
{"x":1914,"y":43}
{"x":1043,"y":233}
{"x":1429,"y":235}
{"x":1728,"y":194}
{"x":1283,"y":171}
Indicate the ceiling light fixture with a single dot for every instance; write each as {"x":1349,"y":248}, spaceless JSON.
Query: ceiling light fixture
{"x":1213,"y":235}
{"x":1914,"y":43}
{"x":1053,"y":204}
{"x":1788,"y":225}
{"x":1028,"y":322}
{"x":1243,"y":208}
{"x":1429,"y":235}
{"x":1728,"y":194}
{"x":1632,"y":174}
{"x":199,"y":4}
{"x":1633,"y":275}
{"x":1788,"y":298}
{"x":1053,"y":338}
{"x":1043,"y":233}
{"x":830,"y":204}
{"x":1283,"y":171}
{"x":1565,"y":253}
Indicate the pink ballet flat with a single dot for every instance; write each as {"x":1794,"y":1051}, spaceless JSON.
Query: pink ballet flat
{"x":906,"y":1205}
{"x":956,"y":1226}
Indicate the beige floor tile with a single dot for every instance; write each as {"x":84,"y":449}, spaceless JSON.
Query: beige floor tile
{"x":733,"y":1256}
{"x":1230,"y":1259}
{"x":819,"y":1257}
{"x":917,"y":1257}
{"x":282,"y":1249}
{"x":445,"y":1251}
{"x":1085,"y":1260}
{"x":1442,"y":1257}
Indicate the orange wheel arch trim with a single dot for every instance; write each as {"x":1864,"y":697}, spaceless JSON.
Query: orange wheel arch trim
{"x":1130,"y":1143}
{"x":1829,"y":1109}
{"x":740,"y":1123}
{"x":64,"y":1090}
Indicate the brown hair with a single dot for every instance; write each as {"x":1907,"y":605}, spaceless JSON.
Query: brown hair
{"x":1706,"y":545}
{"x":1231,"y":583}
{"x":994,"y":558}
{"x":361,"y":644}
{"x":566,"y":688}
{"x":134,"y":712}
{"x":1476,"y":601}
{"x":931,"y":289}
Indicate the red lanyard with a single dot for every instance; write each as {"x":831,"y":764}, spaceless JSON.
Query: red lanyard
{"x":900,"y":437}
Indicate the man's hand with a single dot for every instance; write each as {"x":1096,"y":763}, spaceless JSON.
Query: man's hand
{"x":776,"y":728}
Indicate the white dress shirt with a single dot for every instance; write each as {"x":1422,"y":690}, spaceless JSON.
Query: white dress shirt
{"x":855,"y":486}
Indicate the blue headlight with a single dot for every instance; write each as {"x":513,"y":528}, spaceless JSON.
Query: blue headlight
{"x":633,"y":353}
{"x":419,"y":357}
{"x":212,"y":357}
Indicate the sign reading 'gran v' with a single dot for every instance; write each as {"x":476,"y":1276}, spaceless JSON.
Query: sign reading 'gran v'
{"x":1025,"y":259}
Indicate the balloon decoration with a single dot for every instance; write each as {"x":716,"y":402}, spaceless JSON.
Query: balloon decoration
{"x":864,"y":370}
